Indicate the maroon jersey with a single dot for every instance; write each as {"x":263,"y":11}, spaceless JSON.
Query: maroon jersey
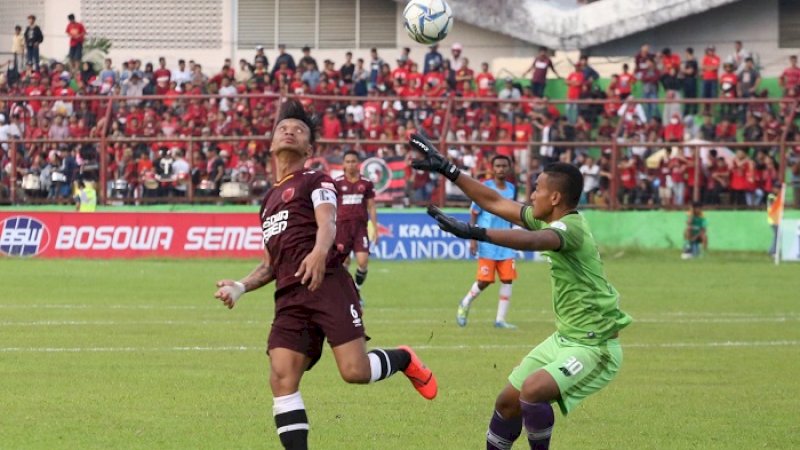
{"x":289,"y":225}
{"x":353,"y":198}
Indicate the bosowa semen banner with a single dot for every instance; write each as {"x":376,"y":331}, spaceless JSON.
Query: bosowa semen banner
{"x":402,"y":236}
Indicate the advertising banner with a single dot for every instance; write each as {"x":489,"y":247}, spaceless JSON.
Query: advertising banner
{"x":790,"y":240}
{"x":402,"y":236}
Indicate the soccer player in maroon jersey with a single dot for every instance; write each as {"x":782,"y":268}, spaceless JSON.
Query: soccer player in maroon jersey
{"x":315,"y":297}
{"x":356,"y":207}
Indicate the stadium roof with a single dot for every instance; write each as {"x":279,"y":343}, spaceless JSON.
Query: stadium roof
{"x":570,"y":25}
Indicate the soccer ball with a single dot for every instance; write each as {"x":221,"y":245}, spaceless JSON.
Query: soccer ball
{"x":428,"y":21}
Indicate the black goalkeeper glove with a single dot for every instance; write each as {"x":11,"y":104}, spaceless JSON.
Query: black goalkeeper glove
{"x":432,"y":160}
{"x":457,"y":227}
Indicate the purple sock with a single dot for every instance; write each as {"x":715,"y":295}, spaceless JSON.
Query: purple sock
{"x":503,"y":432}
{"x":538,"y":419}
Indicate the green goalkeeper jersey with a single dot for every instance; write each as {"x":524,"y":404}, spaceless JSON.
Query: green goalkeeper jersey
{"x":585,"y":303}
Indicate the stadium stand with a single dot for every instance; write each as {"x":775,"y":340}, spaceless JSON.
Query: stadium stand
{"x":180,"y":132}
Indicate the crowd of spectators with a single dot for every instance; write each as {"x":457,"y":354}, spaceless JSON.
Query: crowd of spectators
{"x":383,"y":115}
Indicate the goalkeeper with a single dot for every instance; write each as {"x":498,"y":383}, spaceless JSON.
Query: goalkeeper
{"x":584,"y":353}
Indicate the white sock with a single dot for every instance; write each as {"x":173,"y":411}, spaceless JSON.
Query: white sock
{"x":473,"y":293}
{"x":504,"y":301}
{"x":290,"y":418}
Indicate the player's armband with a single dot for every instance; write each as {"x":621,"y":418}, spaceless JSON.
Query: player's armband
{"x":321,"y":196}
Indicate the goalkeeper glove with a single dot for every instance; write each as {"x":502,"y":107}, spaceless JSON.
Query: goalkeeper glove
{"x":457,"y":227}
{"x":432,"y":160}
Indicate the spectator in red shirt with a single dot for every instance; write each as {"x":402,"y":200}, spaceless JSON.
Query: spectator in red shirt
{"x":710,"y":71}
{"x":790,"y":78}
{"x":742,"y":178}
{"x":464,"y":74}
{"x":574,"y":88}
{"x":669,"y":60}
{"x":485,"y":81}
{"x":625,"y":82}
{"x":540,"y":66}
{"x":331,"y":126}
{"x":76,"y":33}
{"x":673,"y":132}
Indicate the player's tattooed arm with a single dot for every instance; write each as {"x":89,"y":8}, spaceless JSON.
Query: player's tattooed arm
{"x":261,"y":275}
{"x":229,"y":291}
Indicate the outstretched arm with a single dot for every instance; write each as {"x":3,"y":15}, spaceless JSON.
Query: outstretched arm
{"x":490,"y":200}
{"x":486,"y":197}
{"x":517,"y":239}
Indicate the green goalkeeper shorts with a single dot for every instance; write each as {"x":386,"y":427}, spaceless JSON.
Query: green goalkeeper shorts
{"x":579,"y":370}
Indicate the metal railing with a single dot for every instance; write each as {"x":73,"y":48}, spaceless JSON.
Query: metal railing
{"x":615,"y":146}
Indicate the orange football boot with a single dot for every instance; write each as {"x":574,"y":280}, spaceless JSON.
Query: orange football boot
{"x":420,"y":376}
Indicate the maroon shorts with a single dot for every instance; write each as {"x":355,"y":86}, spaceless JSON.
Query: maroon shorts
{"x":303,"y":319}
{"x":352,"y":236}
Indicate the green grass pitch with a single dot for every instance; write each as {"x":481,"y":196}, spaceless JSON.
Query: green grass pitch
{"x":137,"y":354}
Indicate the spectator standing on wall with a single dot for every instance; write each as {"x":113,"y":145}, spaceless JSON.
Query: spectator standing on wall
{"x":33,"y":39}
{"x":433,"y":59}
{"x":458,"y":60}
{"x":790,"y":78}
{"x":641,"y":59}
{"x":650,"y":77}
{"x":260,"y":56}
{"x":283,"y":58}
{"x":672,"y":84}
{"x":710,"y":75}
{"x":575,"y":82}
{"x":689,"y":74}
{"x":77,"y":34}
{"x":541,"y":64}
{"x":739,"y":57}
{"x":18,"y":47}
{"x":749,"y":83}
{"x":347,"y":70}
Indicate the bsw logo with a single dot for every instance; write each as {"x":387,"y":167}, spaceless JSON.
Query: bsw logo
{"x":23,"y":236}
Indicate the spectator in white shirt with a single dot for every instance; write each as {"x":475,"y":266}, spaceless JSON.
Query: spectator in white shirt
{"x":357,"y":110}
{"x":181,"y":170}
{"x":226,"y":90}
{"x":181,"y":74}
{"x":458,"y":61}
{"x":591,"y":178}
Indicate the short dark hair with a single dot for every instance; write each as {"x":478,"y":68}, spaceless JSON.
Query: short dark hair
{"x":32,"y":17}
{"x":690,"y":50}
{"x":293,"y":109}
{"x":351,"y":152}
{"x":567,"y":180}
{"x":496,"y":157}
{"x":71,"y":17}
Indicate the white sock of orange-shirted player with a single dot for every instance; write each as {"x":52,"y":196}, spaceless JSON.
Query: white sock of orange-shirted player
{"x":473,"y":293}
{"x":504,"y":302}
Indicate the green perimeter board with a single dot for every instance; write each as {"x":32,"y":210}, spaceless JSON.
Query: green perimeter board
{"x":727,"y":230}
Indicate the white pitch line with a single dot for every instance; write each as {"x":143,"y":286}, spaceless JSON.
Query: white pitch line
{"x":48,"y":323}
{"x":663,"y":345}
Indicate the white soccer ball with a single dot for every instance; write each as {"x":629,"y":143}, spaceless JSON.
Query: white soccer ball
{"x":428,"y":21}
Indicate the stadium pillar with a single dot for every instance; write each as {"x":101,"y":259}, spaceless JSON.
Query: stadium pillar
{"x":613,"y":201}
{"x":103,"y":153}
{"x":786,"y":128}
{"x":12,"y":189}
{"x":190,"y":156}
{"x":696,"y":189}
